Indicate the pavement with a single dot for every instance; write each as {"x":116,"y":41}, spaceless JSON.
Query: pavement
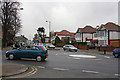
{"x":95,"y":51}
{"x":13,"y":69}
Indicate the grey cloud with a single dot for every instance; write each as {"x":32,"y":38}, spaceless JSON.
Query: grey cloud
{"x":66,"y":15}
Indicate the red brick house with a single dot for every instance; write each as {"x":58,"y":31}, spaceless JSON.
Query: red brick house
{"x":108,"y":34}
{"x":85,"y":34}
{"x":64,"y":34}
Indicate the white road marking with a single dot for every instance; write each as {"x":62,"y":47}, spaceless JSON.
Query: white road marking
{"x":56,"y":54}
{"x":117,"y":74}
{"x":90,"y":71}
{"x":83,"y":56}
{"x":41,"y":67}
{"x":60,"y":69}
{"x":106,"y":56}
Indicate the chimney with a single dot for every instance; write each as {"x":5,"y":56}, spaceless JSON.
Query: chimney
{"x":97,"y":27}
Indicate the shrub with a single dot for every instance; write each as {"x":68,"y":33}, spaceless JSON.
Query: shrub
{"x":60,"y":44}
{"x":80,"y":43}
{"x":57,"y":40}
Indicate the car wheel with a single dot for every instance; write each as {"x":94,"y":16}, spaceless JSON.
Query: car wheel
{"x":38,"y":58}
{"x":75,"y":50}
{"x":64,"y":49}
{"x":70,"y":50}
{"x":11,"y":57}
{"x":116,"y":55}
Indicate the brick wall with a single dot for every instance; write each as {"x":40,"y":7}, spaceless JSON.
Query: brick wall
{"x":109,"y":49}
{"x":83,"y":47}
{"x":115,"y":43}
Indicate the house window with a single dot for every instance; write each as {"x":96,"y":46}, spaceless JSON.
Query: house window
{"x":101,"y":42}
{"x":101,"y":33}
{"x":95,"y":35}
{"x":80,"y":34}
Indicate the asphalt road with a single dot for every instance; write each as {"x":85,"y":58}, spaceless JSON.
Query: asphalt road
{"x":64,"y":64}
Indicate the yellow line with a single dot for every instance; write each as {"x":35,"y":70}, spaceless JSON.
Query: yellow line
{"x":34,"y":70}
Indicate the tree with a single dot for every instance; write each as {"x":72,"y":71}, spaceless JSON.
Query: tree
{"x":41,"y":32}
{"x":57,"y":40}
{"x":10,"y":19}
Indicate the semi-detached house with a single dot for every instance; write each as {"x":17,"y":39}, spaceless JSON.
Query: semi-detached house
{"x":108,"y":34}
{"x":85,"y":34}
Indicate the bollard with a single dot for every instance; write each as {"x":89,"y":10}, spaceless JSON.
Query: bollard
{"x":98,"y":48}
{"x":104,"y":51}
{"x":87,"y":47}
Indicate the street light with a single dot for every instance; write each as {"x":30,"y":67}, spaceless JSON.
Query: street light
{"x":49,"y":30}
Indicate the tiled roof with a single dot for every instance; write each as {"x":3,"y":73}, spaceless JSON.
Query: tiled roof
{"x":112,"y":26}
{"x":64,"y":32}
{"x":87,"y":29}
{"x":21,"y":38}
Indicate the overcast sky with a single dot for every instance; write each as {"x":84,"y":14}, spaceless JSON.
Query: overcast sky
{"x":66,"y":14}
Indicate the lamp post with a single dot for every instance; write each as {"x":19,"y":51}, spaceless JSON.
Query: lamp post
{"x":49,"y":30}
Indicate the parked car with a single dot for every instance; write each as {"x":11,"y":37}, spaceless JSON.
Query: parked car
{"x":69,"y":48}
{"x":105,"y":45}
{"x":90,"y":46}
{"x":116,"y":52}
{"x":49,"y":46}
{"x":28,"y":51}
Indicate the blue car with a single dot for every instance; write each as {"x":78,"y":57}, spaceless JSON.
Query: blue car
{"x":116,"y":52}
{"x":28,"y":51}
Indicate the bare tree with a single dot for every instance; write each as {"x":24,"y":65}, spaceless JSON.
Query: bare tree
{"x":10,"y":19}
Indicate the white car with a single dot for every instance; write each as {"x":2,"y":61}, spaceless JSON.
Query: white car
{"x":50,"y":46}
{"x":69,"y":48}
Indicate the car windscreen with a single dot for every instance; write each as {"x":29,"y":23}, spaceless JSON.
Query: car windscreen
{"x":71,"y":46}
{"x":50,"y":44}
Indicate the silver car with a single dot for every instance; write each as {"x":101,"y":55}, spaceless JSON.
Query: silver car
{"x":69,"y":48}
